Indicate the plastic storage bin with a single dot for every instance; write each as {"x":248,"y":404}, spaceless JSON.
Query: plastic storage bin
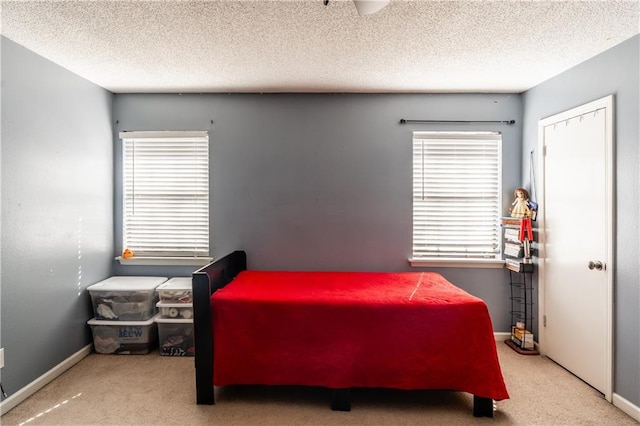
{"x":176,"y":290}
{"x":175,"y":310}
{"x":124,"y":337}
{"x":175,"y":336}
{"x":125,"y":298}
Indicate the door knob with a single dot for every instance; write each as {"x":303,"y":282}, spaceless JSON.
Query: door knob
{"x":597,"y":265}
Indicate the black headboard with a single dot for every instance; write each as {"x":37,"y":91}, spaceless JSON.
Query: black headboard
{"x":205,"y":282}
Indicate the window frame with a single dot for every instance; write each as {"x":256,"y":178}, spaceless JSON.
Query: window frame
{"x":496,"y":260}
{"x":168,"y":258}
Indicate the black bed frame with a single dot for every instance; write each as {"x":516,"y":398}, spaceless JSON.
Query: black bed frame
{"x":205,"y":282}
{"x":216,"y":275}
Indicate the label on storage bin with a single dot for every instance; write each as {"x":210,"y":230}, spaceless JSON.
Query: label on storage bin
{"x":130,"y":333}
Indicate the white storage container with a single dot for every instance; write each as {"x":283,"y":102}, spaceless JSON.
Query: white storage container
{"x":125,"y":298}
{"x":124,"y":337}
{"x":175,"y":337}
{"x":175,"y":310}
{"x":176,"y":290}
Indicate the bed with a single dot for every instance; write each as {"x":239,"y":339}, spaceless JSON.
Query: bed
{"x":341,"y":331}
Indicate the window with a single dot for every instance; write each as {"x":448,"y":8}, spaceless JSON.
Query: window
{"x":456,"y":196}
{"x":166,"y":194}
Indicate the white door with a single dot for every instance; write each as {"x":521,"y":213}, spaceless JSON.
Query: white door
{"x":576,"y":242}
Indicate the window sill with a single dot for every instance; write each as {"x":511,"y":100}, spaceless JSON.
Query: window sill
{"x":457,"y":263}
{"x":165,"y":261}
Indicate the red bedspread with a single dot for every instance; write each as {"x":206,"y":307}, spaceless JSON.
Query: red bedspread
{"x":354,"y":329}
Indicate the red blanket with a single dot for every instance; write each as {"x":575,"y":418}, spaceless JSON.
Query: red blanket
{"x":354,"y":329}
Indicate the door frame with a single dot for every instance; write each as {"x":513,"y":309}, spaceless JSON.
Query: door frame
{"x":606,"y":103}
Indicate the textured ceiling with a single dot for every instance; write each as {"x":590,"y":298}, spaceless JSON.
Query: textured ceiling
{"x":305,"y":46}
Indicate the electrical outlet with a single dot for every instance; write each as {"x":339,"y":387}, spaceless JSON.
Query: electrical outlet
{"x":1,"y":357}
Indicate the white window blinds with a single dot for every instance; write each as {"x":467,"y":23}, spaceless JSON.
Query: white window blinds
{"x":166,"y":193}
{"x":456,"y":195}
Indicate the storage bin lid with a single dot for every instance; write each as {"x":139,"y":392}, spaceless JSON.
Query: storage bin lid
{"x":159,"y":319}
{"x":177,"y":283}
{"x":148,"y":322}
{"x":174,"y":305}
{"x":126,"y":283}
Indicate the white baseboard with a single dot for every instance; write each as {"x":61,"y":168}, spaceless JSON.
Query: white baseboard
{"x":626,"y":406}
{"x":501,"y":336}
{"x":24,"y":393}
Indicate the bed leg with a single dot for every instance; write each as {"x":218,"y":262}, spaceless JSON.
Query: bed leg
{"x":340,"y":400}
{"x":204,"y":381}
{"x":482,"y":407}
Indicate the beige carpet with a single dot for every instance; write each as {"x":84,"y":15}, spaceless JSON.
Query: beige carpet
{"x":155,"y":390}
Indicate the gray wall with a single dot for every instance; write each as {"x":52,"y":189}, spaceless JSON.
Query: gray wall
{"x":321,"y":181}
{"x":616,"y":72}
{"x":57,"y":212}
